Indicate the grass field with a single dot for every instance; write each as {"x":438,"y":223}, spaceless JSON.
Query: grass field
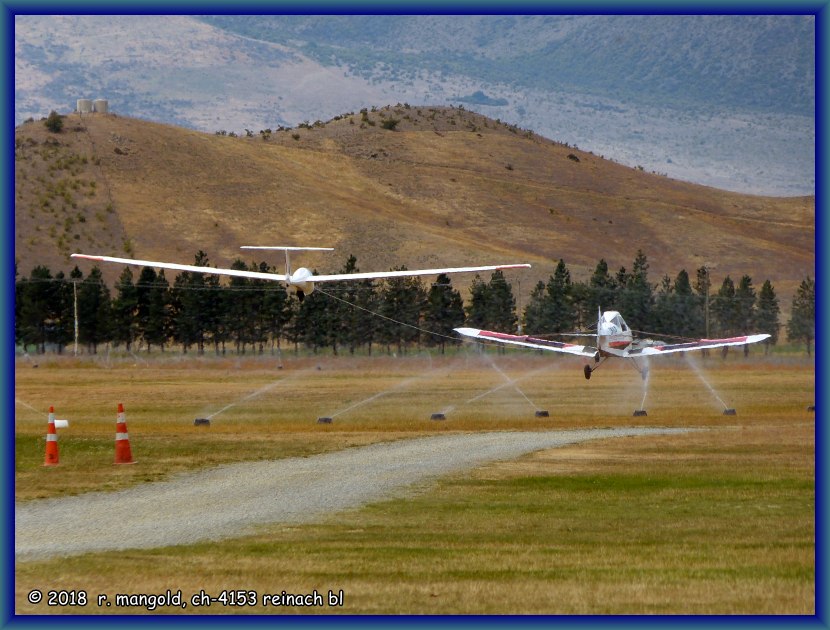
{"x":719,"y":521}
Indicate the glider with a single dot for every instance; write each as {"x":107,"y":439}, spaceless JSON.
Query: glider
{"x":302,"y":281}
{"x":613,"y":339}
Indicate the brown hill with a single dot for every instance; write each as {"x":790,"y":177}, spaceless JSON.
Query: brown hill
{"x":442,"y":186}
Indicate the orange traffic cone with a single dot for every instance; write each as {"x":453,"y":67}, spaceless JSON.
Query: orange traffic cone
{"x":51,"y":441}
{"x":123,"y":454}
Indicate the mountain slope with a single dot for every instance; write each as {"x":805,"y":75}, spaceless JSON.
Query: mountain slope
{"x":445,"y":187}
{"x":755,"y":61}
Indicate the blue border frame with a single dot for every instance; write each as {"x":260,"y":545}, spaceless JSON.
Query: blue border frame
{"x":9,"y":8}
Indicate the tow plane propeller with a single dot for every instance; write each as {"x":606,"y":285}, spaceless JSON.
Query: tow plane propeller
{"x":302,"y":281}
{"x":614,"y":339}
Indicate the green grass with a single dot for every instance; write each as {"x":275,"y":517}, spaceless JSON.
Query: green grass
{"x":711,"y":522}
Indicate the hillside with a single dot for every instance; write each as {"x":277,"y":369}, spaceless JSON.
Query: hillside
{"x":445,"y":187}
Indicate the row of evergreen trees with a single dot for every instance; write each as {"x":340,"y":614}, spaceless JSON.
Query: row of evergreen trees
{"x":198,"y":312}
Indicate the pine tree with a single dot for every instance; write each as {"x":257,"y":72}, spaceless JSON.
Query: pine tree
{"x":261,"y":319}
{"x":534,"y":311}
{"x":687,"y":319}
{"x":237,"y":309}
{"x":158,"y":329}
{"x":64,"y":329}
{"x":353,"y":308}
{"x":125,"y":310}
{"x":603,"y":290}
{"x":766,"y":316}
{"x":501,"y":305}
{"x":745,"y":308}
{"x":444,"y":311}
{"x":39,"y":310}
{"x":476,"y":309}
{"x":94,"y":311}
{"x":725,"y":312}
{"x":724,"y":309}
{"x":314,"y":322}
{"x":195,"y":306}
{"x":362,"y":321}
{"x":703,"y":287}
{"x":636,"y":294}
{"x":277,"y":309}
{"x":663,"y":312}
{"x":558,"y":312}
{"x":802,"y":324}
{"x":143,"y":292}
{"x":402,"y":302}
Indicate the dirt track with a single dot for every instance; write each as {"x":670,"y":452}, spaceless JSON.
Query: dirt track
{"x":230,"y":501}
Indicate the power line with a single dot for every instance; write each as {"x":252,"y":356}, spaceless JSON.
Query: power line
{"x":394,"y":321}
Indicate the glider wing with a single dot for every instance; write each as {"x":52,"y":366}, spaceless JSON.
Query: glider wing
{"x":409,"y":272}
{"x":241,"y":273}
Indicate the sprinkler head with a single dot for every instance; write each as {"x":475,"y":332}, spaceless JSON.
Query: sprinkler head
{"x":730,"y":412}
{"x":324,"y":420}
{"x":542,"y":414}
{"x":640,"y":412}
{"x":201,"y":422}
{"x":811,"y":408}
{"x":438,"y":416}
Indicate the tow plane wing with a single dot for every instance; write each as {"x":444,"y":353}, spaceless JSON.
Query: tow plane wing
{"x":614,"y":339}
{"x":700,"y":344}
{"x":529,"y":342}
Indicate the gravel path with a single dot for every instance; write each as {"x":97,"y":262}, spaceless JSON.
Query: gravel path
{"x":232,"y":500}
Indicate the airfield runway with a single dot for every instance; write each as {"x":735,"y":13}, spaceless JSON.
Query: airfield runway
{"x":233,"y":500}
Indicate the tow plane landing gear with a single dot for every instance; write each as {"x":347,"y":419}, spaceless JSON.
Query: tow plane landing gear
{"x":588,"y":370}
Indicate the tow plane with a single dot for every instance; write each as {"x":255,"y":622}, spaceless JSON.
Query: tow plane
{"x":613,"y":339}
{"x":300,"y":282}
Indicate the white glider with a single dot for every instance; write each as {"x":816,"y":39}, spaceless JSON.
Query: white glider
{"x":614,"y":339}
{"x":302,"y":281}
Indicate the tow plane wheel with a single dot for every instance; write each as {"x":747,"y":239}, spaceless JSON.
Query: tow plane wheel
{"x":587,"y":371}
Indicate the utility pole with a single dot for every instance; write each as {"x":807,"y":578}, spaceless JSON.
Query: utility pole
{"x":519,"y":305}
{"x":706,"y":310}
{"x":75,"y":298}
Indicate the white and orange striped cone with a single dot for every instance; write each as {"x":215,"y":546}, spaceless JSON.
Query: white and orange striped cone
{"x":51,"y":441}
{"x":123,"y":454}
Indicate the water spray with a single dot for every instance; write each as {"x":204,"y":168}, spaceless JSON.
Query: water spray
{"x":59,"y":424}
{"x":206,"y":420}
{"x":727,"y":411}
{"x":642,"y":410}
{"x":402,"y":384}
{"x":513,"y":382}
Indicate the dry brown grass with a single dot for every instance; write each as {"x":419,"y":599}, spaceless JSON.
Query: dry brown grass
{"x":436,"y":192}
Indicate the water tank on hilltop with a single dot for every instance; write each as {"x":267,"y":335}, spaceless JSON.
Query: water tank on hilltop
{"x":101,"y":105}
{"x":84,"y":106}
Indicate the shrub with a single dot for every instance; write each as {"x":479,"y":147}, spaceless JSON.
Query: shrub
{"x":54,"y":122}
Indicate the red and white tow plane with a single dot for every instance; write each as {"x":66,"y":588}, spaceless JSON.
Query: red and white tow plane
{"x":614,"y":339}
{"x":302,"y":281}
